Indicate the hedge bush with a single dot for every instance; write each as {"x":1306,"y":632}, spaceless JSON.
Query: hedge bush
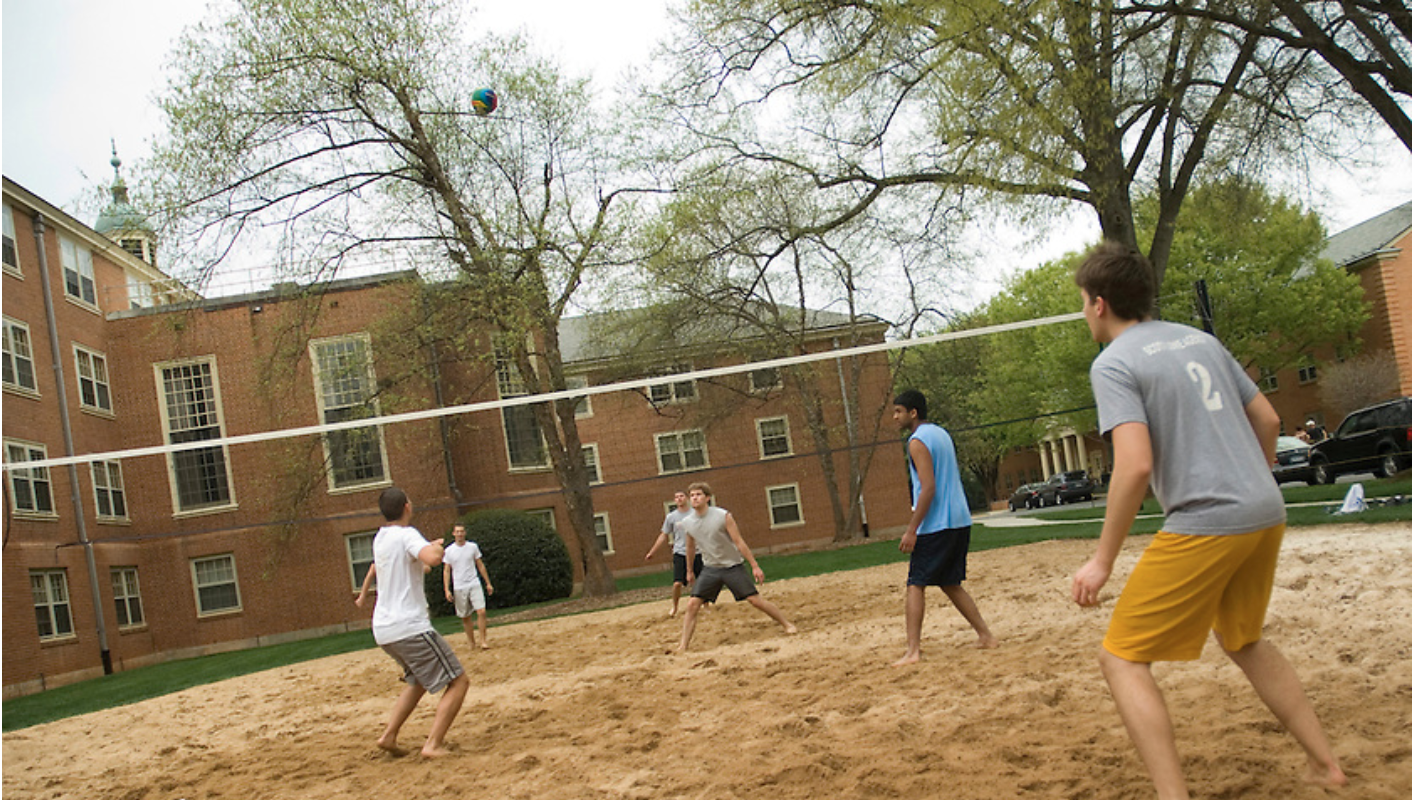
{"x":526,"y":559}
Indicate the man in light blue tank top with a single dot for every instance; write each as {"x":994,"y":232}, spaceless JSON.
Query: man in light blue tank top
{"x":937,"y":536}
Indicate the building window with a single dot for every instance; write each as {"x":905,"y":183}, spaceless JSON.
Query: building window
{"x":591,"y":455}
{"x":525,"y":446}
{"x":360,"y":547}
{"x":93,"y":380}
{"x":676,"y":392}
{"x":78,"y":271}
{"x":19,"y":359}
{"x":681,"y":451}
{"x":546,"y":515}
{"x":201,"y":478}
{"x":10,"y":256}
{"x":344,"y":386}
{"x":1308,"y":372}
{"x":50,"y":590}
{"x":128,"y":602}
{"x":784,"y":505}
{"x":765,"y":380}
{"x":215,"y":582}
{"x":602,"y":533}
{"x":108,"y":496}
{"x":773,"y":437}
{"x":1268,"y":380}
{"x":30,"y":489}
{"x":583,"y":409}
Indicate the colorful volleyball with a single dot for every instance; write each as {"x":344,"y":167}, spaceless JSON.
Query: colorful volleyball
{"x":484,"y":101}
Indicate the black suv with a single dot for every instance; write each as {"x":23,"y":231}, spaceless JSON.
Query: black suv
{"x":1064,"y":487}
{"x":1375,"y":439}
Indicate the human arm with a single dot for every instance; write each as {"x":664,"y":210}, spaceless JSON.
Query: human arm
{"x":691,"y":550}
{"x":482,"y":568}
{"x":364,"y":590}
{"x":742,"y":547}
{"x":432,"y":555}
{"x":447,"y":579}
{"x":1130,"y":478}
{"x":924,"y":468}
{"x":1264,"y":420}
{"x":663,"y":537}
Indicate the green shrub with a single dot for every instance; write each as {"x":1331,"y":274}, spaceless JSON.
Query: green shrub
{"x":526,"y":559}
{"x":438,"y":604}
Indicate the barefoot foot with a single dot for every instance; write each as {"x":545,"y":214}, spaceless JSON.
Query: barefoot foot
{"x":906,"y":660}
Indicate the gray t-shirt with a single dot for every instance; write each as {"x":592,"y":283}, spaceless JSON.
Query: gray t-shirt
{"x":1209,"y":472}
{"x":671,"y":527}
{"x":710,"y":537}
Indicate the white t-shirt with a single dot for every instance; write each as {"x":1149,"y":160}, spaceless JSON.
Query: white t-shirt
{"x":402,"y":608}
{"x":463,"y":561}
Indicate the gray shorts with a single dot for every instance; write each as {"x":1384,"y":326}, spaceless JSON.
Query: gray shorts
{"x":713,"y":579}
{"x":427,"y":660}
{"x":469,"y":599}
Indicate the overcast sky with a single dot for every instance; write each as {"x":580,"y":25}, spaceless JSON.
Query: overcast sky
{"x":77,"y":73}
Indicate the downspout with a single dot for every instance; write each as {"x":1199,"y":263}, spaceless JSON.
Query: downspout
{"x":56,"y":354}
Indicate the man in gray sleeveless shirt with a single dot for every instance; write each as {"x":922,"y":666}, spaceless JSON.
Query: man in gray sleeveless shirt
{"x":1184,"y":418}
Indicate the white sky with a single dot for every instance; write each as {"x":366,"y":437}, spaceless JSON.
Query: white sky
{"x":79,"y":72}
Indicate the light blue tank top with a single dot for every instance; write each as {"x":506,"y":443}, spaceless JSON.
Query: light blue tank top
{"x":950,"y":508}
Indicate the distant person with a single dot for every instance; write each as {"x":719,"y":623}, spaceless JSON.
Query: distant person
{"x":937,"y":536}
{"x":1302,"y":434}
{"x":1316,"y":432}
{"x":671,"y":532}
{"x":1185,"y":419}
{"x":401,"y":626}
{"x":715,"y":531}
{"x":463,"y":560}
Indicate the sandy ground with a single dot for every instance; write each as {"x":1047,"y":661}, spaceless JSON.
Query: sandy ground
{"x":589,"y":706}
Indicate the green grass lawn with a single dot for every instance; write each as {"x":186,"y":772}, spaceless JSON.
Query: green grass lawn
{"x":134,"y":685}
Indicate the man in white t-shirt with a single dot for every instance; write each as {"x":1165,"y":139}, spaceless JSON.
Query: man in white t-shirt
{"x":463,"y":560}
{"x":401,"y":626}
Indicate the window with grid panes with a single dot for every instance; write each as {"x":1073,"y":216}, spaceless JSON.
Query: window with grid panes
{"x":30,"y":488}
{"x":525,"y":446}
{"x":773,"y":437}
{"x":200,"y":476}
{"x":784,"y":505}
{"x":108,"y":496}
{"x":19,"y":358}
{"x":78,"y":271}
{"x":344,"y":380}
{"x":93,"y":379}
{"x":7,"y":252}
{"x":591,"y":454}
{"x":602,"y":533}
{"x":677,"y":391}
{"x":681,"y":451}
{"x":215,"y":582}
{"x":50,"y":592}
{"x":127,"y":601}
{"x":361,"y":557}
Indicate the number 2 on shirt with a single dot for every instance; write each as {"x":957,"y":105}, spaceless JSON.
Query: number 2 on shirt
{"x":1200,"y":375}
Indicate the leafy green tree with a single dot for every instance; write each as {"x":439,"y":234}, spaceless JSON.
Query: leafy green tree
{"x":346,"y":126}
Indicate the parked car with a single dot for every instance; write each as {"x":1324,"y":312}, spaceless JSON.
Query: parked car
{"x":1291,"y":462}
{"x":1374,"y":439}
{"x":1026,"y":496}
{"x":1064,"y":487}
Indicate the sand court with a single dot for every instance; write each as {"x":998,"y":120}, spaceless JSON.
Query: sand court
{"x":589,"y":706}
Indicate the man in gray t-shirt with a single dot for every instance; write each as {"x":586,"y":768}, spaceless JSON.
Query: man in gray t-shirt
{"x":672,"y":533}
{"x":1185,"y":419}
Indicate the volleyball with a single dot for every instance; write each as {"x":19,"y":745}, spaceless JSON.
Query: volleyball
{"x":484,"y":101}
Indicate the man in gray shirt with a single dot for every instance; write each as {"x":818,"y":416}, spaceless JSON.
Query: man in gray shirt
{"x":1184,"y":418}
{"x":672,"y":533}
{"x":715,"y":532}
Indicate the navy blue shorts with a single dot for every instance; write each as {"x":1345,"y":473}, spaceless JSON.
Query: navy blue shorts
{"x":681,"y":567}
{"x":939,"y":559}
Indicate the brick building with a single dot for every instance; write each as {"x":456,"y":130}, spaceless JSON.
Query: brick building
{"x":237,"y":544}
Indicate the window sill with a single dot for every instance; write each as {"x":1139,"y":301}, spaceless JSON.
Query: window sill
{"x":20,"y":391}
{"x":118,"y":521}
{"x":203,"y":512}
{"x":225,"y":612}
{"x":57,"y":641}
{"x":360,"y":487}
{"x":95,"y":411}
{"x":35,"y":516}
{"x":81,"y":303}
{"x":783,"y":525}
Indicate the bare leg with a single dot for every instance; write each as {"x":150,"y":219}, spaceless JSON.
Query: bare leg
{"x":482,"y":627}
{"x":402,"y":708}
{"x":1142,"y":709}
{"x":678,"y":590}
{"x":772,"y":611}
{"x":690,"y":619}
{"x":964,"y":602}
{"x":914,"y":623}
{"x":448,"y":706}
{"x":467,"y":629}
{"x":1277,"y":684}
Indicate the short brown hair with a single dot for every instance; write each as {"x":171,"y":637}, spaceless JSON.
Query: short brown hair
{"x":1121,"y":275}
{"x":702,"y":487}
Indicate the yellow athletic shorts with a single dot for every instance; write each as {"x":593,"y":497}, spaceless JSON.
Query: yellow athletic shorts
{"x":1184,"y":586}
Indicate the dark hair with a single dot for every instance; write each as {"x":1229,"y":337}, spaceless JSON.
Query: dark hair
{"x":1121,"y":275}
{"x":392,"y":502}
{"x":913,"y":400}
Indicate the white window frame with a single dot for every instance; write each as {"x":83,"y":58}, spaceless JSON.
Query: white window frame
{"x":1308,"y":373}
{"x":796,"y":503}
{"x":197,"y":584}
{"x":12,"y":264}
{"x":218,"y":414}
{"x":583,"y":407}
{"x":591,"y":454}
{"x":357,"y":546}
{"x":677,"y":438}
{"x":31,"y":478}
{"x":1268,"y":380}
{"x":602,"y":529}
{"x":785,"y":435}
{"x":763,"y":388}
{"x":548,"y":513}
{"x":127,"y":595}
{"x":354,"y":391}
{"x":509,"y":384}
{"x":77,"y":258}
{"x":108,"y":483}
{"x":12,"y":345}
{"x":88,"y":360}
{"x":49,"y":603}
{"x":674,"y":391}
